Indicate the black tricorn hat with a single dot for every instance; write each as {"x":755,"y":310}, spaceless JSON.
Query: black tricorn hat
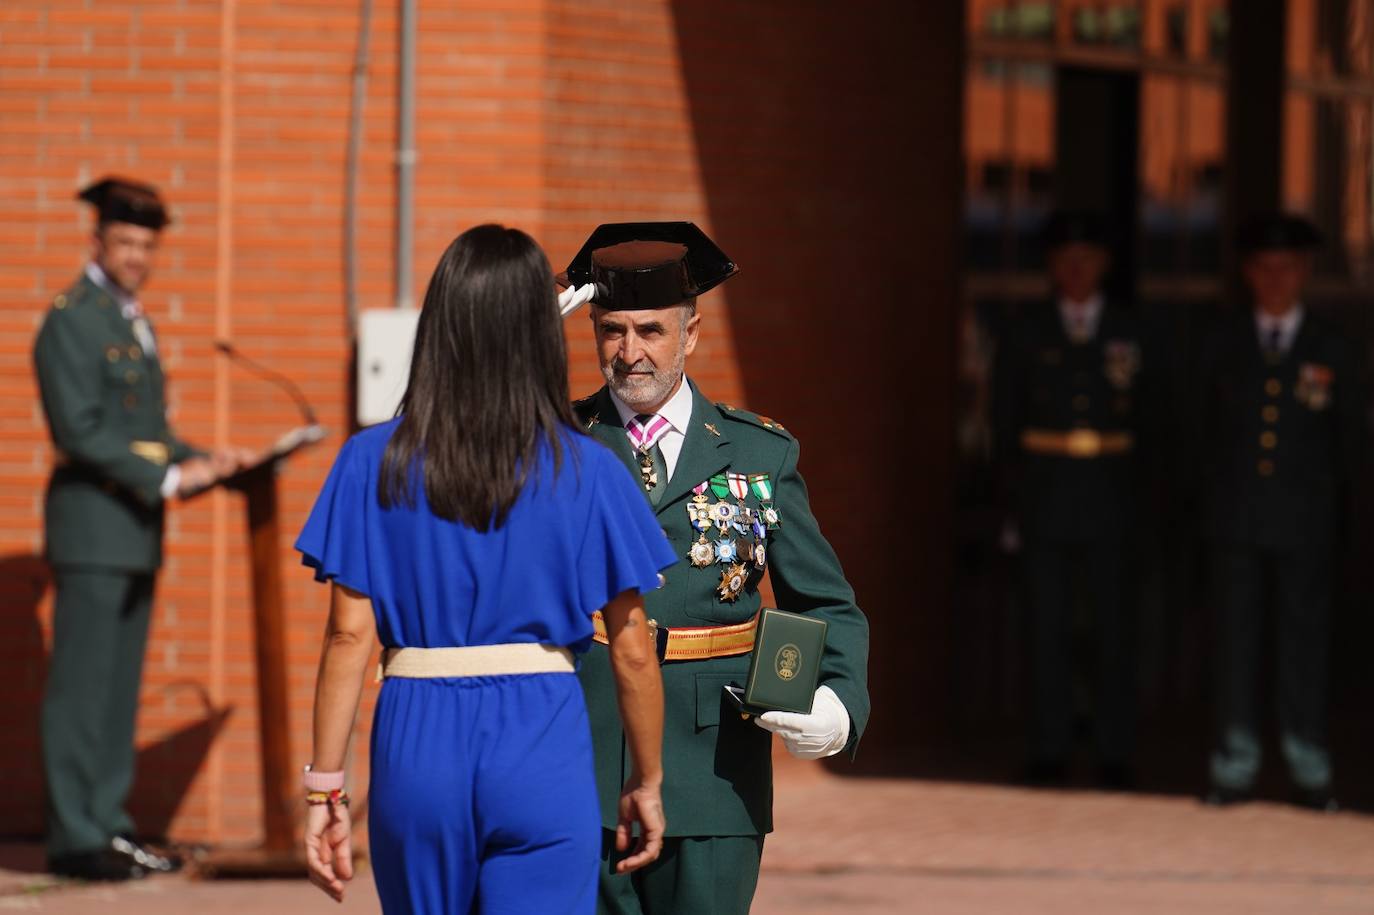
{"x":1066,"y":227}
{"x":643,"y":265}
{"x":123,"y":200}
{"x":1278,"y":232}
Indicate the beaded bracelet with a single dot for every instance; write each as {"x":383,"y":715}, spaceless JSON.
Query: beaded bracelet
{"x":336,"y":798}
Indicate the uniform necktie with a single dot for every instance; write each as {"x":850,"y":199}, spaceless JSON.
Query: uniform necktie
{"x":1273,"y":339}
{"x":1077,"y":315}
{"x":143,"y":331}
{"x":645,"y":431}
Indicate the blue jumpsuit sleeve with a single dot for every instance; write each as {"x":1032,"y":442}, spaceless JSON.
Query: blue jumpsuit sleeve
{"x":623,"y":546}
{"x":333,"y":541}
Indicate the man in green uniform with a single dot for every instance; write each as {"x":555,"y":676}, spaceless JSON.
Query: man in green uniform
{"x":117,"y":461}
{"x":725,"y":486}
{"x":1068,"y":417}
{"x":1281,"y":429}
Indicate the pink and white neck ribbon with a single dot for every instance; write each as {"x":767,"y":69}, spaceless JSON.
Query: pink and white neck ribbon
{"x":646,"y":430}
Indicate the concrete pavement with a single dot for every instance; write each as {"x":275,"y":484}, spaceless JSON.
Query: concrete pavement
{"x":861,"y":846}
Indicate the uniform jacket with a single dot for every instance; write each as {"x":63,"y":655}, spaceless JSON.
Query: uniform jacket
{"x":1044,"y":381}
{"x":717,"y":766}
{"x":1281,"y":438}
{"x":104,"y":401}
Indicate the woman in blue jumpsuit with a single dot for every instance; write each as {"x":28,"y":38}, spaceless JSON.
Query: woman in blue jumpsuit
{"x":481,"y":516}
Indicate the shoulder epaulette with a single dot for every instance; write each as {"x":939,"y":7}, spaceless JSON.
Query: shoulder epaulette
{"x":754,"y":419}
{"x":76,"y":294}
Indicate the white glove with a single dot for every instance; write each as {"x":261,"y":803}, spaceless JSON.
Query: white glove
{"x":822,"y":733}
{"x":573,"y":298}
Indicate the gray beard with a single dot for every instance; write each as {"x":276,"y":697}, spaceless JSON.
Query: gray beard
{"x":644,"y":392}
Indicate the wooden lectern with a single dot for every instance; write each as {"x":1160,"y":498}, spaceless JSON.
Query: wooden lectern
{"x":279,"y":854}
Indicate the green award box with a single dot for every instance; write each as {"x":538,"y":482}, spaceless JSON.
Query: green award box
{"x":785,"y":665}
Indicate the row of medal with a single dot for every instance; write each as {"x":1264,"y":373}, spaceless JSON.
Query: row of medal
{"x":734,"y":523}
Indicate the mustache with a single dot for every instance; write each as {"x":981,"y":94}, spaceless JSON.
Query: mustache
{"x":643,"y":366}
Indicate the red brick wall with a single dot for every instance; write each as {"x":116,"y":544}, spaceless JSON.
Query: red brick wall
{"x":552,"y":115}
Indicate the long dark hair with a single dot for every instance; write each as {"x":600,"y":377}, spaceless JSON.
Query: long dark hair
{"x":488,"y":381}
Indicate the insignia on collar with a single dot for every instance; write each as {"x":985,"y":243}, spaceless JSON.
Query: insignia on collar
{"x":712,"y":429}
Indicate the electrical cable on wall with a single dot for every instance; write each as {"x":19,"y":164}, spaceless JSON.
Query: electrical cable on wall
{"x":353,"y":154}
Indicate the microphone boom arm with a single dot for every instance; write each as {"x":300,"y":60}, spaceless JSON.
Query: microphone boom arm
{"x":277,"y":378}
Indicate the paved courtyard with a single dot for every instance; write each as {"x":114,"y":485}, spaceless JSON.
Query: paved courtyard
{"x":860,"y":846}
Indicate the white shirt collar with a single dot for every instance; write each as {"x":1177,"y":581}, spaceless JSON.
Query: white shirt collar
{"x":102,"y":279}
{"x":1286,"y":322}
{"x":678,"y":409}
{"x":1287,"y":325}
{"x":1090,"y":311}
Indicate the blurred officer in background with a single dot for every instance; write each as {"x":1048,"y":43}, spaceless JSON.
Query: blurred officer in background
{"x":1066,"y":411}
{"x":1280,"y":427}
{"x":117,"y":462}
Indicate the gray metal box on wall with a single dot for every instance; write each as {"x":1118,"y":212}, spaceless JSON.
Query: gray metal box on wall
{"x":386,"y":337}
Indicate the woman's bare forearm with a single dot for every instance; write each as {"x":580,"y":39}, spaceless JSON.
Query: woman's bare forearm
{"x":638,"y":684}
{"x":348,"y":645}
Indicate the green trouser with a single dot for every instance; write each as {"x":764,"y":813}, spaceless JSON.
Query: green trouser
{"x":100,"y":628}
{"x":1098,"y":568}
{"x":693,"y":876}
{"x":1300,"y":582}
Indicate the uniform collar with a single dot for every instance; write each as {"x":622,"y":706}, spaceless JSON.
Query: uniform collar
{"x":705,"y":449}
{"x":1086,"y":314}
{"x":128,"y":304}
{"x":1287,"y":324}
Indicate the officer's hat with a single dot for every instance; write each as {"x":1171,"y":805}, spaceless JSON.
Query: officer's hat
{"x":644,"y":265}
{"x":1067,"y":227}
{"x":1278,"y":232}
{"x":122,"y":200}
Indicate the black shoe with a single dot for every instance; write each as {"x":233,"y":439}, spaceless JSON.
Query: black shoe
{"x":1045,"y":773}
{"x":145,"y":857}
{"x":1219,"y":796}
{"x":1318,"y":799}
{"x":104,"y":865}
{"x":1115,"y":777}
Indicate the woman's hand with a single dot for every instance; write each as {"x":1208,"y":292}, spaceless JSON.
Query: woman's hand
{"x":329,"y":847}
{"x":641,"y":803}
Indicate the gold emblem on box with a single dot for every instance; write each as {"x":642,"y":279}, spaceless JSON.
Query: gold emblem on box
{"x":787,"y":662}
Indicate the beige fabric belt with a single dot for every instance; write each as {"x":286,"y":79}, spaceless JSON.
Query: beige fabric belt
{"x":476,"y":661}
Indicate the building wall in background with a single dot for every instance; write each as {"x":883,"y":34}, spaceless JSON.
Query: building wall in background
{"x":818,"y":147}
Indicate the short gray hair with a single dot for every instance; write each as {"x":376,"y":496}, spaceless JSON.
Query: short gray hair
{"x":689,"y":308}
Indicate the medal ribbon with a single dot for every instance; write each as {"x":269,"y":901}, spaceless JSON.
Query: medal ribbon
{"x":719,"y":486}
{"x":761,"y":485}
{"x":645,"y":431}
{"x":739,"y":485}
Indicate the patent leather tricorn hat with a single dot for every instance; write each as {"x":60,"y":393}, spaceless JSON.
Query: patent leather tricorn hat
{"x":645,"y":265}
{"x":1068,"y":227}
{"x":1278,"y":232}
{"x":123,"y":200}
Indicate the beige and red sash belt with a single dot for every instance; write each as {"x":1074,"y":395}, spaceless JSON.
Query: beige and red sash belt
{"x":476,"y":661}
{"x":692,"y":643}
{"x":1076,"y":443}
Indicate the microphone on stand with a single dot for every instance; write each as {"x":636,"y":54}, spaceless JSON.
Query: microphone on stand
{"x":276,"y":378}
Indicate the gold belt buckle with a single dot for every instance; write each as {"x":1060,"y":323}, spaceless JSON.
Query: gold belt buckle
{"x":1083,"y":443}
{"x":659,"y":636}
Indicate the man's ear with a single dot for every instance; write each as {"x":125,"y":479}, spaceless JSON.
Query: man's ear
{"x":691,"y":332}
